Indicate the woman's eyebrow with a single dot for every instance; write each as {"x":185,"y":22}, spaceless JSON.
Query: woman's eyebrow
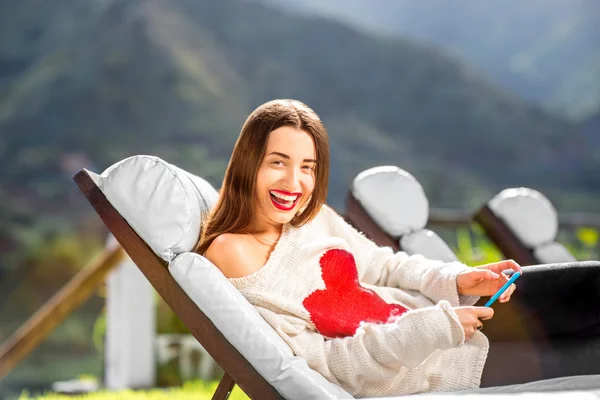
{"x":283,"y":155}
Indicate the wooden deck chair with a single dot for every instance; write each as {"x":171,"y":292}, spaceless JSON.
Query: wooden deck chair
{"x":523,"y":224}
{"x":390,"y":207}
{"x":153,"y":209}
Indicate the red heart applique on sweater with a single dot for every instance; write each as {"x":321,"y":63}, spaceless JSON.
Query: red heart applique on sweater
{"x":338,"y":310}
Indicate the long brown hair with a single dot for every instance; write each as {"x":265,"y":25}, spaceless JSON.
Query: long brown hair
{"x":237,"y":200}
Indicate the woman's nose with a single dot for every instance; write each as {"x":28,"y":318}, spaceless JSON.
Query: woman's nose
{"x":291,"y":179}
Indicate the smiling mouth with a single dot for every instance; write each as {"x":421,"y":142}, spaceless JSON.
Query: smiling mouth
{"x":284,"y":201}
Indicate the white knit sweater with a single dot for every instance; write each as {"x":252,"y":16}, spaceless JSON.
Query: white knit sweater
{"x":393,"y":333}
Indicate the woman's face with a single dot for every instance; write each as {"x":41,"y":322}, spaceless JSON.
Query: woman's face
{"x":286,"y":175}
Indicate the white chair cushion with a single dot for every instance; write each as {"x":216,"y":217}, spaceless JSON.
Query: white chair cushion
{"x":248,"y":332}
{"x":428,"y":244}
{"x":528,"y":213}
{"x":393,"y":198}
{"x":552,"y":253}
{"x":162,"y":203}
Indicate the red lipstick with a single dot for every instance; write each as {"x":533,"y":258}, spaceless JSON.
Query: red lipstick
{"x":283,"y":192}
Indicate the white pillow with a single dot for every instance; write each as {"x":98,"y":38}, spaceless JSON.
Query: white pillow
{"x":428,"y":244}
{"x":528,"y":213}
{"x":162,"y":203}
{"x":393,"y":198}
{"x":553,"y":253}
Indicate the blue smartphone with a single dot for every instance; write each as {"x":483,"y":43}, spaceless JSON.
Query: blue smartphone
{"x":514,"y":277}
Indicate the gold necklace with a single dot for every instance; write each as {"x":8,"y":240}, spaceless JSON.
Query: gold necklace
{"x":263,"y":240}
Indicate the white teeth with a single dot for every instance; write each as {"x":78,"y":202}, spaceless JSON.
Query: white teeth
{"x":283,"y":196}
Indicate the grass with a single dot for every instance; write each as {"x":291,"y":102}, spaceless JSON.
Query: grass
{"x":196,"y":390}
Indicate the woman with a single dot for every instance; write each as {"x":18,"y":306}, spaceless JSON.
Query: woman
{"x":374,"y":322}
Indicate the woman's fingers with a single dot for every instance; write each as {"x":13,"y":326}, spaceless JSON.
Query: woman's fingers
{"x":506,"y":295}
{"x":471,"y":318}
{"x":483,"y":313}
{"x":510,"y":264}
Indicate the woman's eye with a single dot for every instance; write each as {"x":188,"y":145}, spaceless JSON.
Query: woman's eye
{"x":308,"y":167}
{"x":277,"y":162}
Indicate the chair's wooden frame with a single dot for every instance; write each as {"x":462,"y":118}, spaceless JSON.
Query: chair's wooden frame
{"x":358,"y":217}
{"x":503,"y":237}
{"x":237,"y":369}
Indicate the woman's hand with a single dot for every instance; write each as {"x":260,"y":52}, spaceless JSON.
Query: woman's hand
{"x":486,"y":280}
{"x":470,"y":318}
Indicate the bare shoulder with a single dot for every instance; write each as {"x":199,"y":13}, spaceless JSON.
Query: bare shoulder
{"x":231,"y":254}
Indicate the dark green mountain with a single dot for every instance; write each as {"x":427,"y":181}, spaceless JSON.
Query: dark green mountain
{"x":544,"y":50}
{"x":87,"y":83}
